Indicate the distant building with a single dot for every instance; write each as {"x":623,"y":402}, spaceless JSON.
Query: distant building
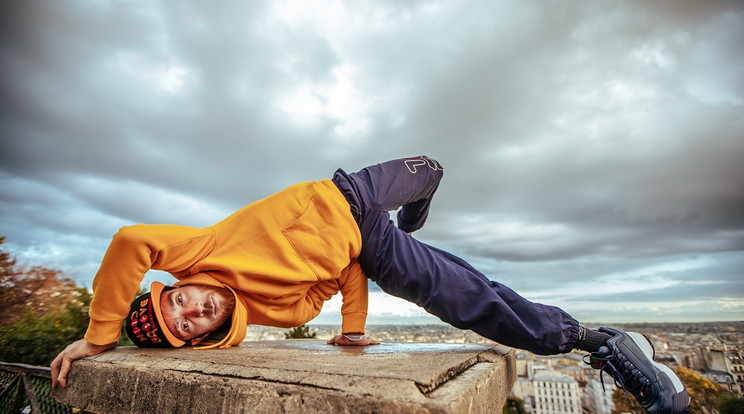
{"x":524,"y":389}
{"x":556,"y":393}
{"x":713,"y":364}
{"x":736,"y":362}
{"x":524,"y":362}
{"x":596,"y":400}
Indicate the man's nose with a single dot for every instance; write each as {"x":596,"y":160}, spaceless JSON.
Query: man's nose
{"x":196,"y":309}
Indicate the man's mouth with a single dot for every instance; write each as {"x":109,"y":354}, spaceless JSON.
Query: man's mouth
{"x":214,"y":306}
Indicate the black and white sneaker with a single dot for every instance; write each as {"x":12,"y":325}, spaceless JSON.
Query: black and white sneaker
{"x":629,"y":359}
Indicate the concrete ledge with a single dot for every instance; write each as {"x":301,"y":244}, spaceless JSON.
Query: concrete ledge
{"x":294,"y":376}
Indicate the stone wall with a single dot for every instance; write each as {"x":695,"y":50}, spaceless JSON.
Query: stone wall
{"x":294,"y":376}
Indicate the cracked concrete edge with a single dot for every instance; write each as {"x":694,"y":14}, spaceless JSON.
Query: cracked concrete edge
{"x":483,"y":388}
{"x":478,"y":388}
{"x":492,"y":355}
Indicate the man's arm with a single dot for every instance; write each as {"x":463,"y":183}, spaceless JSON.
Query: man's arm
{"x":132,"y":252}
{"x":353,"y":285}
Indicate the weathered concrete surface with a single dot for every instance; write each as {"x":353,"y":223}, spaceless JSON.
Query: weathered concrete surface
{"x":294,"y":376}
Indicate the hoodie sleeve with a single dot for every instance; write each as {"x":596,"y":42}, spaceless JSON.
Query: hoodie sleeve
{"x":353,"y":286}
{"x":133,"y":251}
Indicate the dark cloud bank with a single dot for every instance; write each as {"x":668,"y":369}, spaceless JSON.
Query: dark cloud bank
{"x":593,"y":151}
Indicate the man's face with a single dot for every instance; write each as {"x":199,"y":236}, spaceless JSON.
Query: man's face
{"x":192,"y":312}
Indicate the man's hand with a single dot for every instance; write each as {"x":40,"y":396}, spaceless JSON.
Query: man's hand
{"x":76,"y":350}
{"x":342,"y":340}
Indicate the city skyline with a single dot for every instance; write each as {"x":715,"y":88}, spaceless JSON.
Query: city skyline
{"x":592,"y":152}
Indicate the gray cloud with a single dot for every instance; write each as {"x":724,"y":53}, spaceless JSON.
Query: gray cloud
{"x":582,"y":142}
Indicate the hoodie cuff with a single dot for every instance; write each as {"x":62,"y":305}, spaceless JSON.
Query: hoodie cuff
{"x":353,"y":322}
{"x":103,"y":333}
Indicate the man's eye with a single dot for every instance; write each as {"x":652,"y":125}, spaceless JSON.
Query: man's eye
{"x":185,"y":326}
{"x":179,"y":300}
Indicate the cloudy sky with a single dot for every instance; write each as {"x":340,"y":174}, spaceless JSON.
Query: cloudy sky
{"x":594,"y":151}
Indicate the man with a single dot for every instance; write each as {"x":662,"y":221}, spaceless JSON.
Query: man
{"x":276,"y":261}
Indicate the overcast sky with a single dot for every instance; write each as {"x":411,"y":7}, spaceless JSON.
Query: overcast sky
{"x":593,"y":151}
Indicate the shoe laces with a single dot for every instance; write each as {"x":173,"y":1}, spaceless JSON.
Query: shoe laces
{"x":625,"y":375}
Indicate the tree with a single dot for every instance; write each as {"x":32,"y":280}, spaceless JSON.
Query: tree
{"x":37,"y":340}
{"x":38,"y":290}
{"x":625,"y":403}
{"x":42,"y":312}
{"x":731,"y":405}
{"x":299,"y":332}
{"x":705,"y":394}
{"x":514,"y":405}
{"x":7,"y":263}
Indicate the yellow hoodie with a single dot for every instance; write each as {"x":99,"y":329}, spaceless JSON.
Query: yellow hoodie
{"x":284,"y":256}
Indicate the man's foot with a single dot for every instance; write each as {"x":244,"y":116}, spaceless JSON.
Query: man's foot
{"x":628,"y":358}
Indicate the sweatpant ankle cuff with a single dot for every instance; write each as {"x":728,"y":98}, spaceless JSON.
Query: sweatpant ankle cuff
{"x":573,"y":338}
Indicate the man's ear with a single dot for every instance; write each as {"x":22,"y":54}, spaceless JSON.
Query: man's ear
{"x":195,"y":341}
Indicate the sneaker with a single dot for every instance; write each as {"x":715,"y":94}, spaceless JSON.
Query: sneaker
{"x":629,"y":359}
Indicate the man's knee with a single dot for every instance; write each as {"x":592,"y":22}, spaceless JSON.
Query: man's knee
{"x":415,"y":164}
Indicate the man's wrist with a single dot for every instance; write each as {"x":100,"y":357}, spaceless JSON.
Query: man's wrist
{"x":354,"y":337}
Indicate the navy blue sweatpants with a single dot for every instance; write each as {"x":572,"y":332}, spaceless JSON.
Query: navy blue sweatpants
{"x":440,"y":282}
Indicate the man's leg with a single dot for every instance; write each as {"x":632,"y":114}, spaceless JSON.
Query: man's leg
{"x":441,"y":283}
{"x":406,"y":182}
{"x":451,"y":289}
{"x":457,"y":293}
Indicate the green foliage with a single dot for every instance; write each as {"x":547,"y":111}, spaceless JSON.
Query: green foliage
{"x":731,"y":405}
{"x":299,"y":332}
{"x":37,"y":340}
{"x":705,"y":394}
{"x":625,"y":403}
{"x":514,"y":405}
{"x":42,"y":312}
